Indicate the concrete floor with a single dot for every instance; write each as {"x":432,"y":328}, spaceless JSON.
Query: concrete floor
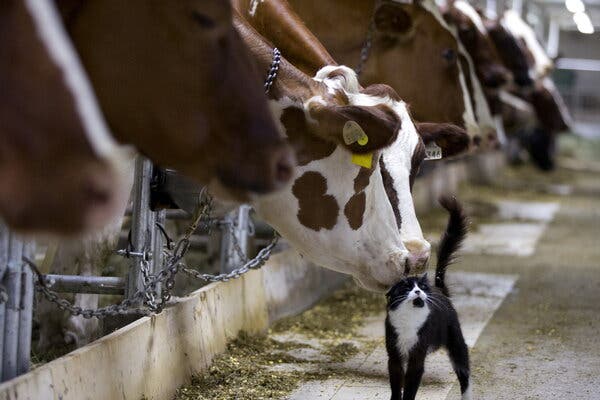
{"x":537,"y":340}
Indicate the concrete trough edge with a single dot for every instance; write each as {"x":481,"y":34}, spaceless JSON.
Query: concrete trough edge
{"x":153,"y":356}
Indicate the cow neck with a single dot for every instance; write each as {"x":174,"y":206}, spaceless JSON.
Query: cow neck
{"x":290,"y":82}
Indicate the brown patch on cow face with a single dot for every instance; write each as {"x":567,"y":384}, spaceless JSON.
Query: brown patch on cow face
{"x":355,"y":210}
{"x":169,"y":100}
{"x":390,"y":191}
{"x":308,"y":147}
{"x":318,"y":210}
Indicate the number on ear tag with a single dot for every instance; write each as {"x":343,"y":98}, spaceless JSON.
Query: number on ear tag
{"x":433,"y":151}
{"x":352,"y":133}
{"x":363,"y":160}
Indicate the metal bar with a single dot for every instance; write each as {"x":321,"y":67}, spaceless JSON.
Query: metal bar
{"x":141,"y":222}
{"x":553,"y":38}
{"x":4,"y":235}
{"x":86,"y":284}
{"x":26,"y":315}
{"x":580,"y":64}
{"x":11,"y":318}
{"x":238,"y":221}
{"x":158,"y":242}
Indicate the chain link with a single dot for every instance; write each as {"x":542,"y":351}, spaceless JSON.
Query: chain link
{"x":147,"y":297}
{"x":365,"y":51}
{"x":257,"y":262}
{"x":272,"y":74}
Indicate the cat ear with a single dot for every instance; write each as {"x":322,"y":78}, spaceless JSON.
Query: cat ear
{"x":424,"y":277}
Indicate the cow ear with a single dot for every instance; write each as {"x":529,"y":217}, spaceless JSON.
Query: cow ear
{"x":392,"y":20}
{"x":361,"y":129}
{"x":450,"y":138}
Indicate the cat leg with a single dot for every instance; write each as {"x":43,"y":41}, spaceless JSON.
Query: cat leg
{"x":459,"y":356}
{"x":396,"y":377}
{"x":413,"y":375}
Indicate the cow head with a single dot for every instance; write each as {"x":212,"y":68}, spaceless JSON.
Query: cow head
{"x":60,"y":170}
{"x":175,"y":79}
{"x":511,"y":52}
{"x":350,"y":218}
{"x":473,"y":34}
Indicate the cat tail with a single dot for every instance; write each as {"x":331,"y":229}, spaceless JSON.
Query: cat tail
{"x":452,"y":239}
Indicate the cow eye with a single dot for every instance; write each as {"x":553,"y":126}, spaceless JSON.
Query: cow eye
{"x":203,"y":20}
{"x":449,"y":56}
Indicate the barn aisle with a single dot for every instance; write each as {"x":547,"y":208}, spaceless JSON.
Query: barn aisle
{"x":526,"y":288}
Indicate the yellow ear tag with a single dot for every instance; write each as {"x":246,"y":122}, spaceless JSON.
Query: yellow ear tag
{"x":363,"y":160}
{"x":352,"y":133}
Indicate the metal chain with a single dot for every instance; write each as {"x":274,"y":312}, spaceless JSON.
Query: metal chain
{"x":272,"y":74}
{"x":257,"y":262}
{"x":165,"y":277}
{"x":365,"y":51}
{"x":3,"y":294}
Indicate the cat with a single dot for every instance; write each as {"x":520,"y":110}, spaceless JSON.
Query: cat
{"x":421,"y":318}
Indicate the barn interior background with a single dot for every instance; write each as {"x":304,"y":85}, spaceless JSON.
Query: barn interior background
{"x":50,"y":346}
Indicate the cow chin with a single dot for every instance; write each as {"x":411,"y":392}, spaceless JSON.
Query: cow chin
{"x":379,"y":279}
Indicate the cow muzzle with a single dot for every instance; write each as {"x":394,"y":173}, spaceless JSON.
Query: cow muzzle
{"x":419,"y":251}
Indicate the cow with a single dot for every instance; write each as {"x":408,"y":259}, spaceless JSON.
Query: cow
{"x":473,"y":34}
{"x":523,"y":54}
{"x":542,"y":65}
{"x":60,"y":169}
{"x":380,"y":39}
{"x":197,"y":105}
{"x":355,"y":219}
{"x":175,"y":80}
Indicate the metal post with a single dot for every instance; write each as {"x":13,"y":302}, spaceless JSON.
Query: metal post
{"x":158,"y":242}
{"x":553,"y":38}
{"x":517,"y":5}
{"x":12,"y":280}
{"x":142,"y":222}
{"x":491,"y":9}
{"x":26,"y":314}
{"x":86,"y":284}
{"x":238,"y":222}
{"x":4,"y":235}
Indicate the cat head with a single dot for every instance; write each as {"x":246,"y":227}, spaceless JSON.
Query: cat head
{"x":415,"y":289}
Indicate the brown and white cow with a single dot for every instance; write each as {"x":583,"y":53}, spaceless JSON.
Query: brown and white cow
{"x":175,"y":80}
{"x":412,"y":49}
{"x":61,"y":171}
{"x":350,"y":218}
{"x":474,"y":36}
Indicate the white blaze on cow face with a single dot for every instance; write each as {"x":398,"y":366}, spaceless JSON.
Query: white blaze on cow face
{"x":56,"y":41}
{"x":373,"y":253}
{"x":513,"y":22}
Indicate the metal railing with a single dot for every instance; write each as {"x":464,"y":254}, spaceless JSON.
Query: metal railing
{"x":147,"y":251}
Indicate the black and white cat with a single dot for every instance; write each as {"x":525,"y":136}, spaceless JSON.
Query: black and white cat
{"x":421,"y":318}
